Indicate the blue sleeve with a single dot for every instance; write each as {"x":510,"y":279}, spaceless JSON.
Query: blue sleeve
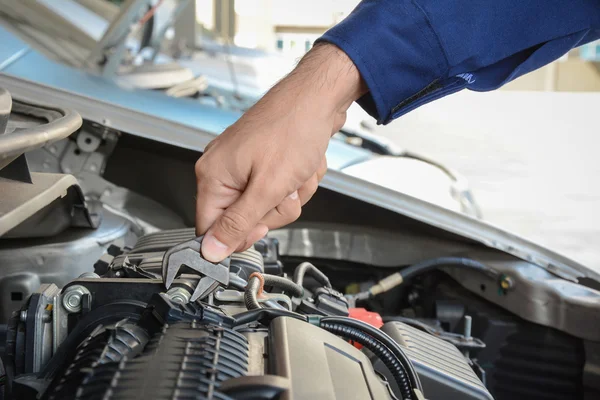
{"x":410,"y":52}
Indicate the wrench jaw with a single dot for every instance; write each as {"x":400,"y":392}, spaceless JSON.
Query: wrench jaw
{"x":205,"y":287}
{"x":187,"y":255}
{"x":172,"y":257}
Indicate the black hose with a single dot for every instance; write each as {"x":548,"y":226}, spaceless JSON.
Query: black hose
{"x":265,"y":316}
{"x":398,"y":278}
{"x":251,"y":294}
{"x":237,"y":282}
{"x":427,"y":265}
{"x":285,"y":284}
{"x":380,"y":350}
{"x":313,"y":271}
{"x":384,"y":339}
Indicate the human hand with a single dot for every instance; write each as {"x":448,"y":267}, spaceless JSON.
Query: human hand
{"x":259,"y":172}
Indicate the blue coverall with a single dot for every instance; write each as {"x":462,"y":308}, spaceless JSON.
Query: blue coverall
{"x":410,"y":52}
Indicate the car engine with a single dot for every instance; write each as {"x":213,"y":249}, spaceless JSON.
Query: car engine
{"x":118,"y":333}
{"x":104,"y":293}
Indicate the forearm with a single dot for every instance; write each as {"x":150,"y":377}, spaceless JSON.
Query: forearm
{"x":331,"y":75}
{"x":325,"y":82}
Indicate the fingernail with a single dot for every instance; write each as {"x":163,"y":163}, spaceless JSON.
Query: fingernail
{"x":214,"y":250}
{"x":294,"y":195}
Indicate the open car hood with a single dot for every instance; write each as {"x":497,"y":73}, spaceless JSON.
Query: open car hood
{"x":158,"y":129}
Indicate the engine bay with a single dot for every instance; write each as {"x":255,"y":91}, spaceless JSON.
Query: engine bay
{"x":354,"y":301}
{"x":117,"y":332}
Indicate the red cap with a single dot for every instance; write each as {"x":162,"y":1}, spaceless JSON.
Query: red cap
{"x":371,"y":318}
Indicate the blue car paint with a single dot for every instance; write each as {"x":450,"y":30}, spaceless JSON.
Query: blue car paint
{"x":18,"y":59}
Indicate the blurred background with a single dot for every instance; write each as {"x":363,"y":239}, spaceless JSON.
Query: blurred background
{"x":528,"y":150}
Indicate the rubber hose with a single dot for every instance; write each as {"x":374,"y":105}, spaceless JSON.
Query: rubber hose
{"x":265,"y":316}
{"x":383,"y":338}
{"x":380,"y":350}
{"x":313,"y":271}
{"x":419,"y":268}
{"x":397,"y":278}
{"x":285,"y":284}
{"x":237,"y":282}
{"x":251,"y":293}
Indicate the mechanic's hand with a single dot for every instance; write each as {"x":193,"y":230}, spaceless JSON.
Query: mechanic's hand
{"x":257,"y":174}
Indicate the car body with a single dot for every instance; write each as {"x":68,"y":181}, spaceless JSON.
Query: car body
{"x":532,"y":310}
{"x":354,"y":150}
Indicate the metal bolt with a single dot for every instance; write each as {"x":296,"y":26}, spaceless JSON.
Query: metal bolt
{"x":179,"y":295}
{"x":468,"y":324}
{"x":23,"y":316}
{"x":72,"y":298}
{"x":507,"y":282}
{"x":467,"y":332}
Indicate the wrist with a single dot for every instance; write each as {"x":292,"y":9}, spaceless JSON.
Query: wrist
{"x":335,"y":82}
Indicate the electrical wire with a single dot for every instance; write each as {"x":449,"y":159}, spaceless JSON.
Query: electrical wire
{"x":284,"y":284}
{"x":382,"y":345}
{"x":383,"y":338}
{"x":256,"y":283}
{"x":251,"y":293}
{"x":310,"y":269}
{"x":380,"y":350}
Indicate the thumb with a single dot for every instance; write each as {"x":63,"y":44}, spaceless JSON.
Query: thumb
{"x":234,"y":225}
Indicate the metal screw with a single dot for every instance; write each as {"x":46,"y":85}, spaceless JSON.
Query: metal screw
{"x":507,"y":282}
{"x":179,"y":295}
{"x":72,"y":298}
{"x":23,"y":316}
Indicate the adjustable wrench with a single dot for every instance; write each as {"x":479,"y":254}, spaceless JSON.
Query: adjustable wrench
{"x":186,"y":257}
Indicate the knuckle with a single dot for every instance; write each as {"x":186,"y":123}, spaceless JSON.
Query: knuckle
{"x":290,"y":213}
{"x":296,"y":212}
{"x":200,"y":168}
{"x":313,"y":185}
{"x":234,"y":223}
